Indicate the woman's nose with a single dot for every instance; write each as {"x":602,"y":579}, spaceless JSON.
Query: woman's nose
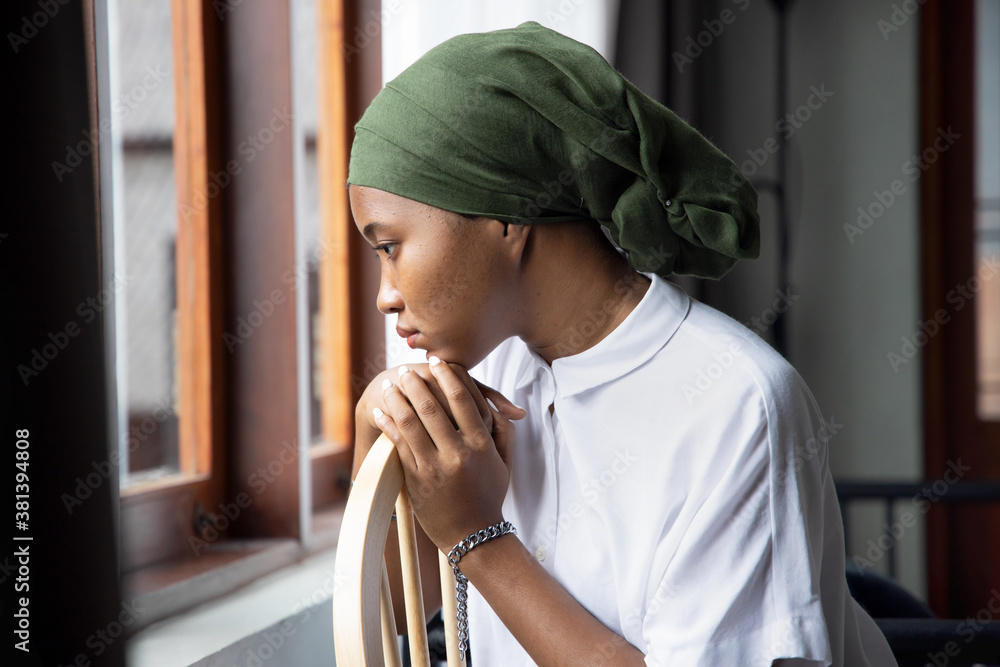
{"x":389,"y":300}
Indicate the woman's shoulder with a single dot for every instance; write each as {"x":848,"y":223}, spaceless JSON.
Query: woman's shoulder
{"x":711,"y":339}
{"x":734,"y":366}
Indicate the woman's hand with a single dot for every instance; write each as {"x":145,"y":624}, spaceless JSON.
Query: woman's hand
{"x":454,"y":447}
{"x":374,"y":397}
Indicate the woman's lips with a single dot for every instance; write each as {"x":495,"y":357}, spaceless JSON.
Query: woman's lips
{"x":410,"y":336}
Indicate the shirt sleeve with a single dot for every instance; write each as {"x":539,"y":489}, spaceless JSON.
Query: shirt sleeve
{"x":743,"y":585}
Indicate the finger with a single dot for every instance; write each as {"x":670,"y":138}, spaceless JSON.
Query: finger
{"x":464,"y":407}
{"x":503,"y":436}
{"x":497,"y":415}
{"x":473,"y":389}
{"x":388,"y":426}
{"x":408,"y":423}
{"x":504,"y":406}
{"x":425,"y":374}
{"x":427,"y":408}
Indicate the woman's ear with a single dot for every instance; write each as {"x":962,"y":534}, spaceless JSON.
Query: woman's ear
{"x":515,"y":238}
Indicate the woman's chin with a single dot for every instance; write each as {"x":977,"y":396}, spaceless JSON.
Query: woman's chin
{"x":464,"y":358}
{"x":462,"y":353}
{"x":447,"y":354}
{"x":441,"y":353}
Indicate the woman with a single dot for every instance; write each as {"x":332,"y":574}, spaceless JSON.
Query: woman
{"x":664,"y":497}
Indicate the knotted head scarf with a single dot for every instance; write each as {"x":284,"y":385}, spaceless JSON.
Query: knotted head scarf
{"x":528,"y":126}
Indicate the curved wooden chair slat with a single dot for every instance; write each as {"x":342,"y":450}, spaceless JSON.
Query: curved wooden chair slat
{"x":364,"y":632}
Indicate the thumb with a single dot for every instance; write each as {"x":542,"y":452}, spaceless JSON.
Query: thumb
{"x":500,"y":402}
{"x":503,"y":434}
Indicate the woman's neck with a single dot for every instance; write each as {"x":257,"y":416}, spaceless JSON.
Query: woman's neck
{"x":580,"y":294}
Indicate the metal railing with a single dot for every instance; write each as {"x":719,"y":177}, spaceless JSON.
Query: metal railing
{"x":892,"y":492}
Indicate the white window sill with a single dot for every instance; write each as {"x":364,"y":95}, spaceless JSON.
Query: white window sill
{"x":284,"y":618}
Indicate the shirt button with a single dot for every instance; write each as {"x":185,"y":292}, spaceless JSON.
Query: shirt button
{"x":540,"y":554}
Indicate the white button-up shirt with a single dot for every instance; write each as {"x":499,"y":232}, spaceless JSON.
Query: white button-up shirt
{"x":679,"y":490}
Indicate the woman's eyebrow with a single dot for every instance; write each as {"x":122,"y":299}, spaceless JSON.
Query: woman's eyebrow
{"x":371,"y":228}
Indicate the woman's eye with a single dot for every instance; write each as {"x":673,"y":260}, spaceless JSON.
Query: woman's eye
{"x":387,"y":248}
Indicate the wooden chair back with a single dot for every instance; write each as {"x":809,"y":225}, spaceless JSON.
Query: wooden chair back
{"x":364,"y":629}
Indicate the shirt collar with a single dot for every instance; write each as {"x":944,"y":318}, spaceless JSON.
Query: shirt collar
{"x":633,"y":342}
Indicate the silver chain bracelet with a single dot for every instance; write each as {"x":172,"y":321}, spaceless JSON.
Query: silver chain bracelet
{"x":462,"y":583}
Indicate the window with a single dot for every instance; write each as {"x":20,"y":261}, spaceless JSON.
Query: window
{"x":987,"y":243}
{"x":143,"y":109}
{"x":957,"y":196}
{"x":164,"y":246}
{"x":325,"y":229}
{"x":246,"y":326}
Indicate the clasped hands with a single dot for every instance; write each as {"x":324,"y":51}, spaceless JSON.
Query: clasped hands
{"x":454,"y":439}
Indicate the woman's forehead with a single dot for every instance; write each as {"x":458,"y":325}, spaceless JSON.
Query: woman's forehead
{"x":380,"y":211}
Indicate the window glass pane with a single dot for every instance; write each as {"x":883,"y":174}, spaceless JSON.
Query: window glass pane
{"x":143,"y":109}
{"x":988,"y":206}
{"x":307,"y":203}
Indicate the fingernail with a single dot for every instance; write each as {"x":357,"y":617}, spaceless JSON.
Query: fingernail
{"x":403,"y":369}
{"x":493,"y":405}
{"x":378,"y":414}
{"x":433,"y":361}
{"x":386,"y":383}
{"x":518,"y":407}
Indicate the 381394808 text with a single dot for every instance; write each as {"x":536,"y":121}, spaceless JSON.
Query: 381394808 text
{"x":22,"y":516}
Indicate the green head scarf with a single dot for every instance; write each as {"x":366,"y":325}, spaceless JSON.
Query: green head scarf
{"x":528,"y":126}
